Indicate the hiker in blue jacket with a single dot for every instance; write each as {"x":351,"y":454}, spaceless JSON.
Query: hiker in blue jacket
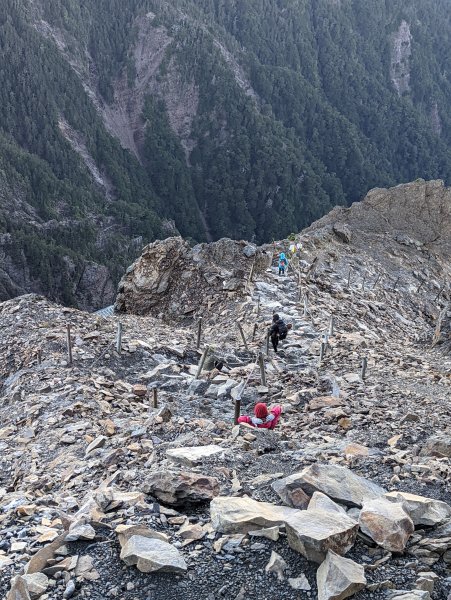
{"x":283,"y":263}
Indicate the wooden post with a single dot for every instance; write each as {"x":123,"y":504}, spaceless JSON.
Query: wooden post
{"x":331,"y":325}
{"x":154,"y":397}
{"x":119,"y":338}
{"x":364,"y":367}
{"x":261,"y":362}
{"x":199,"y":332}
{"x":254,"y":331}
{"x":202,"y":361}
{"x":69,"y":344}
{"x":237,"y":410}
{"x":242,"y":336}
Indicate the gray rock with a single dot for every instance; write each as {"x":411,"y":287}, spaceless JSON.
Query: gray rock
{"x":437,"y":445}
{"x":422,"y":511}
{"x":37,"y":584}
{"x":193,"y":455}
{"x":386,"y":523}
{"x":150,"y":555}
{"x":276,"y":565}
{"x":408,"y":595}
{"x":313,"y":532}
{"x":174,"y":488}
{"x":300,"y":583}
{"x":338,"y":578}
{"x":322,"y":502}
{"x":343,"y":232}
{"x":335,"y":481}
{"x":241,"y":515}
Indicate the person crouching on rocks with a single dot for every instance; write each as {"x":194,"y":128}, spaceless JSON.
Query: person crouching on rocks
{"x":263,"y":418}
{"x":278,"y":331}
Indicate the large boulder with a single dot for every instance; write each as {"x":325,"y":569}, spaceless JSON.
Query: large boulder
{"x":386,"y":523}
{"x":174,"y":279}
{"x":174,"y":488}
{"x":338,"y":578}
{"x":241,"y":515}
{"x":335,"y":481}
{"x":313,"y":532}
{"x":422,"y":511}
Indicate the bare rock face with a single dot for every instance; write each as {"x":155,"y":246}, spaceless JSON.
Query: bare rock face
{"x":386,"y":523}
{"x":173,"y":279}
{"x":180,"y":488}
{"x":339,"y":578}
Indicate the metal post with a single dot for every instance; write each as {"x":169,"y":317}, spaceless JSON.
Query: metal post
{"x":237,"y":410}
{"x":242,"y":336}
{"x":440,"y":292}
{"x":202,"y":361}
{"x":363,"y":283}
{"x":322,"y":352}
{"x":349,"y":277}
{"x":261,"y":362}
{"x":363,"y":371}
{"x":258,"y":306}
{"x":119,"y":338}
{"x":377,"y":281}
{"x":254,"y":331}
{"x":331,"y":325}
{"x":305,"y":305}
{"x":69,"y":344}
{"x":199,"y":332}
{"x":267,"y":341}
{"x":154,"y":397}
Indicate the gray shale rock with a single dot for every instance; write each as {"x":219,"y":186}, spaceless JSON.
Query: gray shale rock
{"x":150,"y":555}
{"x":422,"y":511}
{"x":339,"y":483}
{"x":338,"y":578}
{"x":386,"y":523}
{"x":313,"y":532}
{"x":193,"y":455}
{"x":174,"y":488}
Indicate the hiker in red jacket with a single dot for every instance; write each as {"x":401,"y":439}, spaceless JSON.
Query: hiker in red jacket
{"x":264,"y":418}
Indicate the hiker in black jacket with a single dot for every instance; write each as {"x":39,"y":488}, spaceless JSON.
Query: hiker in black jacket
{"x":278,"y":331}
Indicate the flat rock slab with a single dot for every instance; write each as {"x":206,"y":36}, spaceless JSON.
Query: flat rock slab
{"x":241,"y":515}
{"x":193,"y":455}
{"x":408,"y":595}
{"x":422,"y":511}
{"x":313,"y":532}
{"x":386,"y":523}
{"x":150,"y":555}
{"x":339,"y":483}
{"x":338,"y":578}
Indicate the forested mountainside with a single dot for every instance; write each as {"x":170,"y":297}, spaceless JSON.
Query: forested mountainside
{"x":124,"y":121}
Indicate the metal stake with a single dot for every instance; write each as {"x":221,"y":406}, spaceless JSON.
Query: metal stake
{"x":237,"y":411}
{"x":202,"y":361}
{"x":199,"y":332}
{"x":119,"y":338}
{"x":331,"y":325}
{"x":242,"y":336}
{"x":261,"y":362}
{"x":69,"y":344}
{"x":364,"y":367}
{"x":155,"y":397}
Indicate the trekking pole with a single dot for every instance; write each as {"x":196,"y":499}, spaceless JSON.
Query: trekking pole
{"x":242,"y":336}
{"x":199,"y":333}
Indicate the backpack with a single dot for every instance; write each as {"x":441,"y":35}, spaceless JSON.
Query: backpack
{"x":282,"y":327}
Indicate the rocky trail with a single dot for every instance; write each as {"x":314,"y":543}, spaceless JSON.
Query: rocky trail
{"x":104,"y":495}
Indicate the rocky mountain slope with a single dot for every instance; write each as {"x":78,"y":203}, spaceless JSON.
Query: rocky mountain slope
{"x":122,"y":124}
{"x":123,"y":475}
